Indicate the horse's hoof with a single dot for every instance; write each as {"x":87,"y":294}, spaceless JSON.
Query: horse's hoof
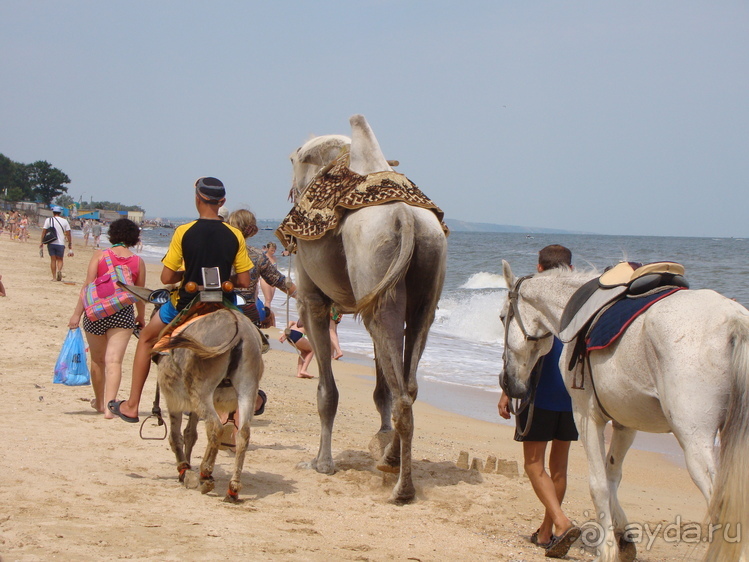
{"x":627,"y":549}
{"x":191,"y":480}
{"x":378,"y":443}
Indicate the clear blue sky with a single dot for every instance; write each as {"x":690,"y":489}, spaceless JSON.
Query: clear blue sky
{"x":611,"y":117}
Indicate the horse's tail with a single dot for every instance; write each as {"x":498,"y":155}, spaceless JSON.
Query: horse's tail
{"x":405,"y":225}
{"x":729,"y":514}
{"x":202,"y":351}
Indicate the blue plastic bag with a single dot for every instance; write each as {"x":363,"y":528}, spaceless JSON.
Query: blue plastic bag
{"x":71,"y":367}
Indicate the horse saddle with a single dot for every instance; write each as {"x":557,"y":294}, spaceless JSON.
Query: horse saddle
{"x":622,"y":280}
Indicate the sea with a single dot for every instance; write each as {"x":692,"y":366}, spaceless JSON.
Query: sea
{"x":464,"y":349}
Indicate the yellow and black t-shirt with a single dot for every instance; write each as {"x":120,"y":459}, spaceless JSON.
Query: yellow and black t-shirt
{"x":205,"y":243}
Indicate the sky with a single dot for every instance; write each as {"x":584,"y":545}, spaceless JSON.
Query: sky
{"x":606,"y":117}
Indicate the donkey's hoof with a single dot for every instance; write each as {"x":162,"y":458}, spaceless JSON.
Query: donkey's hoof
{"x":207,"y":484}
{"x":191,"y":480}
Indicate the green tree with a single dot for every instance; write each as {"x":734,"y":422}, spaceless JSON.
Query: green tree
{"x":64,"y":201}
{"x":14,"y":180}
{"x":46,"y":181}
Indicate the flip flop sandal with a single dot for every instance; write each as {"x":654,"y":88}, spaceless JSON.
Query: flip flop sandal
{"x":561,"y":544}
{"x":544,"y":545}
{"x":264,"y":398}
{"x":114,"y":407}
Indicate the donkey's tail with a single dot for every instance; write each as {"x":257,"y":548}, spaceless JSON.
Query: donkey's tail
{"x":729,"y":514}
{"x":405,"y":226}
{"x":202,"y":351}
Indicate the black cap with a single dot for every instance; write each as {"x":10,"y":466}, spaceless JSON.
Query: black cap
{"x":210,"y":189}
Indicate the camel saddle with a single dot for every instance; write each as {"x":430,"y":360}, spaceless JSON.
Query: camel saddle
{"x":626,"y":279}
{"x":336,"y":190}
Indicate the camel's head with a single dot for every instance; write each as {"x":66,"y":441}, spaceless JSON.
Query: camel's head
{"x":365,"y":155}
{"x":311,"y":157}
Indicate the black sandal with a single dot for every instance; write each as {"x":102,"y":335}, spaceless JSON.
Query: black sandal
{"x":264,"y":398}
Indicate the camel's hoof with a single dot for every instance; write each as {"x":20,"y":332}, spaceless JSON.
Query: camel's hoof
{"x":326,"y":467}
{"x":191,"y":480}
{"x":378,"y":443}
{"x":403,"y":497}
{"x":385,"y":466}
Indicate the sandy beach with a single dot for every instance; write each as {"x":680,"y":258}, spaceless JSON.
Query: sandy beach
{"x":81,"y":487}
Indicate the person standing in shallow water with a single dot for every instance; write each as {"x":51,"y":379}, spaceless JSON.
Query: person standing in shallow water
{"x":551,"y":421}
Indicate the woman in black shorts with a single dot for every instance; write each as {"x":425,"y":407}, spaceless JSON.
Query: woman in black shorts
{"x":108,"y":337}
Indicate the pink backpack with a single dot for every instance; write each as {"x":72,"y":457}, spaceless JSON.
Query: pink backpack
{"x":103,"y":297}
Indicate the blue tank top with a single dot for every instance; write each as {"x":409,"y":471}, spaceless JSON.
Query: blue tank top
{"x":551,"y":394}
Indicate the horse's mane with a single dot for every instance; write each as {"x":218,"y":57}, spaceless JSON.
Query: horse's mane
{"x":570,"y":275}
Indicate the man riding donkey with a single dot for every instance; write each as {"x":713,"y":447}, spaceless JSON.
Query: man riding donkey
{"x":205,"y":242}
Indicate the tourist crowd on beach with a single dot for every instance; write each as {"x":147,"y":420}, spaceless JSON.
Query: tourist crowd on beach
{"x":16,"y":224}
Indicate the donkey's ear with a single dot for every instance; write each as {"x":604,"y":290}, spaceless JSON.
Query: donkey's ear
{"x":508,"y":275}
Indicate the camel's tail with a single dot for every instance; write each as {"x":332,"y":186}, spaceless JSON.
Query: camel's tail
{"x":202,"y":351}
{"x":405,"y":224}
{"x":729,"y":506}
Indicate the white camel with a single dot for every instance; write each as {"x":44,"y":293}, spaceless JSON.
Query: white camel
{"x":681,"y":367}
{"x":385,"y":263}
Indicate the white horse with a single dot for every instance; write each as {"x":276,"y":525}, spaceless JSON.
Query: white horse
{"x":385,"y":263}
{"x":681,"y":367}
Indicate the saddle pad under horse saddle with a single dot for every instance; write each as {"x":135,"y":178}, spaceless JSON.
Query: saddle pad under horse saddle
{"x":615,"y":320}
{"x":323,"y":203}
{"x":625,"y":278}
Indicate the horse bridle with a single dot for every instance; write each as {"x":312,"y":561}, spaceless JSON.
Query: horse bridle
{"x":513,"y":312}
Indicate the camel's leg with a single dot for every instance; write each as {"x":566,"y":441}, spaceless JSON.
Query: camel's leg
{"x":177,"y":443}
{"x":384,"y":438}
{"x":386,"y":329}
{"x":621,"y":440}
{"x":315,"y":311}
{"x":383,"y":400}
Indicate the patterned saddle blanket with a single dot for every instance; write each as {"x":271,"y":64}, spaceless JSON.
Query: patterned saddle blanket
{"x":321,"y":206}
